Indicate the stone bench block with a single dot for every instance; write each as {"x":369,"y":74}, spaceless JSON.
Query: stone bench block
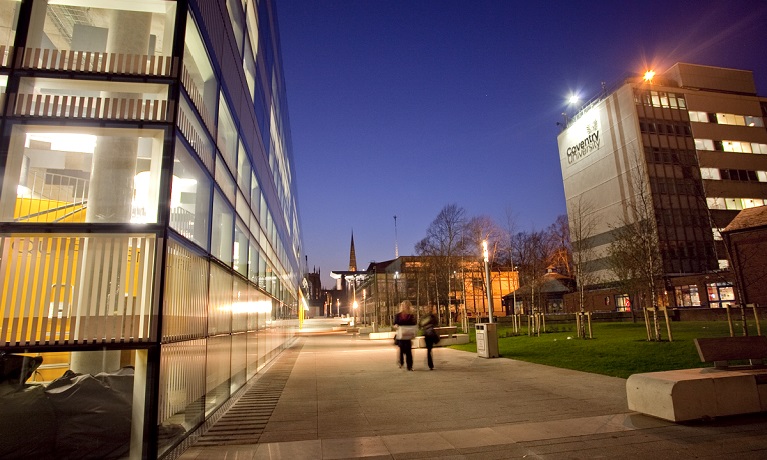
{"x":444,"y":341}
{"x":692,"y":394}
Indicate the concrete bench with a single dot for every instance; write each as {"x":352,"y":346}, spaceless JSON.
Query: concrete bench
{"x":702,"y":393}
{"x":446,"y":330}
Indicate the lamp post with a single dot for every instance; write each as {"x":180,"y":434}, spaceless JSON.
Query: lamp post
{"x":364,"y":306}
{"x":487,"y":281}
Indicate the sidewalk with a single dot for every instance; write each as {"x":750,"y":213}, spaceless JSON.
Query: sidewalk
{"x":338,"y":396}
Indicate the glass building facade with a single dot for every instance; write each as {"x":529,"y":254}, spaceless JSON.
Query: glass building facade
{"x":150,"y":249}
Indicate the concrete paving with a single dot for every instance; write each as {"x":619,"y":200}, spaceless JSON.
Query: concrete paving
{"x":342,"y":396}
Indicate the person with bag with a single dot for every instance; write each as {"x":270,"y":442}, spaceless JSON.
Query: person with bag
{"x":406,"y":329}
{"x":430,"y":336}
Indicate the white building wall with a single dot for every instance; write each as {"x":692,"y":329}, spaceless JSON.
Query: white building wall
{"x":596,"y":153}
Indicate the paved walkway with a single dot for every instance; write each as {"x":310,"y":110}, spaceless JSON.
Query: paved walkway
{"x":341,"y":396}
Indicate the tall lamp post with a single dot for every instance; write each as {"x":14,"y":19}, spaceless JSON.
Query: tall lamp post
{"x":487,"y":281}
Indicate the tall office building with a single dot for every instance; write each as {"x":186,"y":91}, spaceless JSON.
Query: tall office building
{"x":150,"y":249}
{"x":695,"y":138}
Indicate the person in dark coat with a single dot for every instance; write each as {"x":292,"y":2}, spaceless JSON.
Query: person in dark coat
{"x":430,"y":335}
{"x":405,"y":322}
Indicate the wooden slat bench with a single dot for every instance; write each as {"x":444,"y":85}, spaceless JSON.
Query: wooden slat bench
{"x":722,"y":350}
{"x":702,"y":393}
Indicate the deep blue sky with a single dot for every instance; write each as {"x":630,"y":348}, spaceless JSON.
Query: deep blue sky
{"x":402,"y":107}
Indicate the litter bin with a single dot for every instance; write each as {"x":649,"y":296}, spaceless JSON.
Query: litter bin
{"x":487,"y":340}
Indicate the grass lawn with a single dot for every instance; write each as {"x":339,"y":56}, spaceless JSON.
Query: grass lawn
{"x":617,"y":349}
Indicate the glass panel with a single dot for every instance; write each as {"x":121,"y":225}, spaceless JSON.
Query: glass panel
{"x":225,"y":180}
{"x":726,"y":293}
{"x":222,"y":233}
{"x":249,"y":65}
{"x":252,"y":358}
{"x":181,"y":390}
{"x":244,"y":171}
{"x":87,"y":288}
{"x":81,"y":99}
{"x":241,"y":305}
{"x":58,"y":174}
{"x":197,"y":74}
{"x":87,"y":413}
{"x":239,"y":361}
{"x":237,"y":20}
{"x":9,"y":17}
{"x":83,"y":35}
{"x":240,"y":263}
{"x":253,"y":263}
{"x":217,"y":371}
{"x":227,"y":134}
{"x":220,"y":307}
{"x":251,"y":21}
{"x":255,"y":195}
{"x":186,"y":295}
{"x":709,"y":173}
{"x":190,"y":198}
{"x":242,"y":208}
{"x":195,"y":134}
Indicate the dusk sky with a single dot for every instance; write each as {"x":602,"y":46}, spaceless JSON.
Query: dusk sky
{"x":403,"y":107}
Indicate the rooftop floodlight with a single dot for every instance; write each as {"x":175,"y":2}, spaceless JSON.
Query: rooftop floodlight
{"x":574,"y":99}
{"x":648,"y":76}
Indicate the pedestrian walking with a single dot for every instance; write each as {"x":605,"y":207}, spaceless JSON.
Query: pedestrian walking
{"x":406,"y":329}
{"x":430,"y":336}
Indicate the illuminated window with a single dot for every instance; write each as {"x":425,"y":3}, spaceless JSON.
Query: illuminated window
{"x":715,"y":203}
{"x":701,"y":117}
{"x":687,"y":296}
{"x":758,"y":148}
{"x":223,"y":229}
{"x":704,"y":144}
{"x":710,"y":173}
{"x":237,"y":20}
{"x":58,"y":174}
{"x":190,"y":198}
{"x":730,"y":119}
{"x":735,"y":146}
{"x":198,"y":77}
{"x":717,"y":234}
{"x":720,"y":295}
{"x":622,"y":302}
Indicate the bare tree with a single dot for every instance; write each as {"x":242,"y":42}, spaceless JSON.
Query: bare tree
{"x":443,"y":241}
{"x":534,"y":251}
{"x":562,"y":255}
{"x":635,"y":248}
{"x":583,"y":225}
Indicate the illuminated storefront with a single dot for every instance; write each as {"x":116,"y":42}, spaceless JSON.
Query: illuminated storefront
{"x":149,"y":238}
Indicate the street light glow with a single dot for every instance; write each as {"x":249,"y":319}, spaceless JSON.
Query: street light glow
{"x":484,"y":250}
{"x":648,"y":76}
{"x":574,"y":99}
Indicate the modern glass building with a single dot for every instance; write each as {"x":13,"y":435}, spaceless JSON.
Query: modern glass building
{"x":150,"y":247}
{"x":693,"y":140}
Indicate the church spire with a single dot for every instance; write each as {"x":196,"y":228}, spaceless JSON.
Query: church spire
{"x":352,"y":256}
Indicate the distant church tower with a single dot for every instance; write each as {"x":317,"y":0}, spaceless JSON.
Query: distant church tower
{"x":352,"y":257}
